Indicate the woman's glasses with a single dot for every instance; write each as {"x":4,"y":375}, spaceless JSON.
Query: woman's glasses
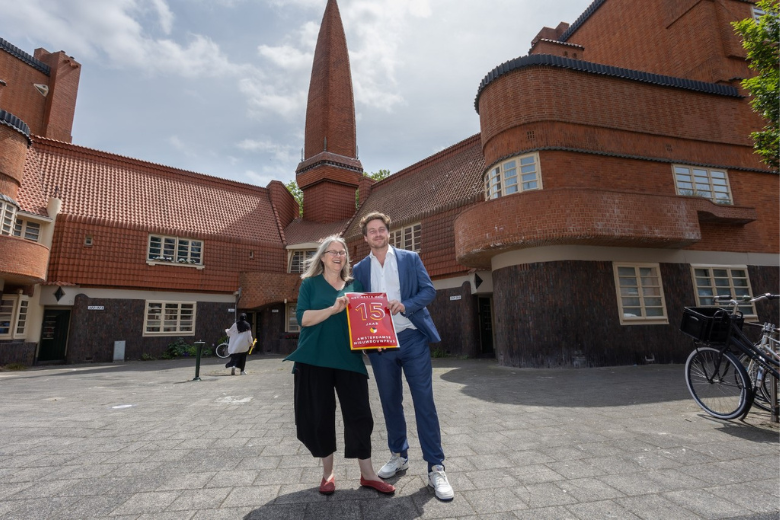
{"x":336,"y":253}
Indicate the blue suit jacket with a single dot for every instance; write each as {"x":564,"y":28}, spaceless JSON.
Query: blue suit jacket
{"x":416,"y":289}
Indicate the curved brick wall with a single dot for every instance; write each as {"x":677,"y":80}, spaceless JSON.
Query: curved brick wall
{"x":13,"y":151}
{"x":259,"y":289}
{"x":584,"y":216}
{"x":610,"y":111}
{"x":22,"y":261}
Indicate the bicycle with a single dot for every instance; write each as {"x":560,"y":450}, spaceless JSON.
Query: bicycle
{"x":716,"y":378}
{"x":222,"y":350}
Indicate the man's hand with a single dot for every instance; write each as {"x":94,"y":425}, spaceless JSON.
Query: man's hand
{"x":395,"y":307}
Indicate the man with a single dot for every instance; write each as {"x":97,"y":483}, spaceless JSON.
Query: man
{"x":401,"y":275}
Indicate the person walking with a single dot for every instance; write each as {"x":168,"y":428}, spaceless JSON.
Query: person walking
{"x":324,"y":363}
{"x":240,"y":340}
{"x":401,"y":275}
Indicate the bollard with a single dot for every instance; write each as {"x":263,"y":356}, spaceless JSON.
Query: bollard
{"x":197,"y":360}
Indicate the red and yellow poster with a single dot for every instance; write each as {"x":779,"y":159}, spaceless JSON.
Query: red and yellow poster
{"x":370,"y":322}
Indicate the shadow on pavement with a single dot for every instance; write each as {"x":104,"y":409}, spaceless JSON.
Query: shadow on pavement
{"x":567,"y":387}
{"x":347,"y":503}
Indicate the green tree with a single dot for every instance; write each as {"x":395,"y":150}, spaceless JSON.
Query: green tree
{"x":761,"y":43}
{"x":378,"y":176}
{"x":297,"y":194}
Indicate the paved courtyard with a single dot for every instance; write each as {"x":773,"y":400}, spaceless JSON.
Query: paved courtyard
{"x":142,"y":440}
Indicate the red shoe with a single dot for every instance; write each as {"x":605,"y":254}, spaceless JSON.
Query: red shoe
{"x":379,"y":485}
{"x":327,"y":487}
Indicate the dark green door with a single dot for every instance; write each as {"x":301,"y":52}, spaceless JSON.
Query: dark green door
{"x":54,"y":336}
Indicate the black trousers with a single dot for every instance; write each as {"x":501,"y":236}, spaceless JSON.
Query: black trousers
{"x":237,"y":360}
{"x":315,"y":410}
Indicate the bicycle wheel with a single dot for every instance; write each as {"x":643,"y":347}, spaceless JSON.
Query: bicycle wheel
{"x":222,"y":350}
{"x":762,"y":392}
{"x":725,"y":393}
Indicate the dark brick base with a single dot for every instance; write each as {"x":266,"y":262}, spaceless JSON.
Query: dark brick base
{"x":17,"y":352}
{"x":565,"y":314}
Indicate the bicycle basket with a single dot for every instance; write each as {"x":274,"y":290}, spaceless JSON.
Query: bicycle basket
{"x":708,"y":323}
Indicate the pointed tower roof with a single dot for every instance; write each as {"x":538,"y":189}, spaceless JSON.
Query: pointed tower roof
{"x":330,"y":170}
{"x":330,"y":113}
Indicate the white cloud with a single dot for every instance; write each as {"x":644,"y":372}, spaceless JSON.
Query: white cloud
{"x":165,"y":15}
{"x":286,"y":56}
{"x":280,"y":152}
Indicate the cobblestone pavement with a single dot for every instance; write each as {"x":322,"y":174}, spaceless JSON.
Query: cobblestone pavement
{"x":143,"y":440}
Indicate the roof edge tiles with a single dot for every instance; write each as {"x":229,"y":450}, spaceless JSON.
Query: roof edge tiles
{"x":549,"y":60}
{"x":18,"y":53}
{"x":428,"y":160}
{"x":162,"y":168}
{"x":8,"y":119}
{"x":592,"y":8}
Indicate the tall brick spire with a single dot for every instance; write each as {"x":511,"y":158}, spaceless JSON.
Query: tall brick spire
{"x":330,"y":170}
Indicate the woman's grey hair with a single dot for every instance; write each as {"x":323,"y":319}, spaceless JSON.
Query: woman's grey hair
{"x":314,"y":266}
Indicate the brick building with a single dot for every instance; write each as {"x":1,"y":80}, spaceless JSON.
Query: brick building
{"x":612,"y":183}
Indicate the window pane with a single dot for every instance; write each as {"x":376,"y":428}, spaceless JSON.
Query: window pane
{"x":169,"y":246}
{"x":654,"y":312}
{"x":21,"y":320}
{"x":628,"y":282}
{"x":626,"y":271}
{"x":32,"y":231}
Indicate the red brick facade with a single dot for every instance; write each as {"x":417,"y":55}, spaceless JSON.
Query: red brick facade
{"x":608,"y":106}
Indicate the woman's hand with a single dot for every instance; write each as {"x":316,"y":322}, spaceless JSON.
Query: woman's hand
{"x":339,"y":305}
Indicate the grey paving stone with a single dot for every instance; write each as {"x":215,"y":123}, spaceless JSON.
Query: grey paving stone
{"x":655,"y":507}
{"x":144,"y":503}
{"x":606,"y":509}
{"x":512,"y":449}
{"x":704,"y":504}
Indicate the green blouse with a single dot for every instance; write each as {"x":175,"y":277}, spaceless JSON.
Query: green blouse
{"x":326,"y":344}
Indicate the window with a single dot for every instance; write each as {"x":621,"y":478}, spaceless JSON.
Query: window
{"x":169,"y":319}
{"x":298,"y":260}
{"x":513,"y":176}
{"x":703,"y":182}
{"x":7,"y":215}
{"x":27,"y":230}
{"x":13,"y":316}
{"x":182,"y":251}
{"x":712,"y":280}
{"x":640,"y":294}
{"x":292,"y":320}
{"x":758,"y":13}
{"x":407,"y":238}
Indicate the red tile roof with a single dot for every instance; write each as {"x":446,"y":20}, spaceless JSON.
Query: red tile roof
{"x":445,"y":180}
{"x":130,"y":192}
{"x":31,"y":196}
{"x":301,"y":231}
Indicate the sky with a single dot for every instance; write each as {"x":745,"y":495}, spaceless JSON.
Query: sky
{"x":220,"y":86}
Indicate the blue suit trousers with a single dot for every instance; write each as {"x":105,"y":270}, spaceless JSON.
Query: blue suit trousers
{"x":414,"y":359}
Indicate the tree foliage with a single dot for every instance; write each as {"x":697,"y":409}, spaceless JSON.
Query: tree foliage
{"x":378,"y":176}
{"x":297,"y":194}
{"x":760,"y":40}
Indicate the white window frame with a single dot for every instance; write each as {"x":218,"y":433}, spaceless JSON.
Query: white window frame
{"x":16,"y":316}
{"x":622,"y":291}
{"x":7,"y":216}
{"x":291,"y":320}
{"x":407,"y":237}
{"x":27,"y":229}
{"x":757,"y":13}
{"x":155,"y":254}
{"x":514,"y":175}
{"x":303,"y":256}
{"x":720,"y":285}
{"x":717,"y":182}
{"x":160,"y":321}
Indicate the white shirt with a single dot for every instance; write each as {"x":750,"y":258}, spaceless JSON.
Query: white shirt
{"x":385,"y":279}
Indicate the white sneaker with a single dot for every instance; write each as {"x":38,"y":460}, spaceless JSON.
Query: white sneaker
{"x":441,"y":486}
{"x":243,"y":373}
{"x":394,"y":465}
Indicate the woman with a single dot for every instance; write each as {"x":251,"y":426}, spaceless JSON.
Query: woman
{"x":324,"y":362}
{"x":240,"y":341}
